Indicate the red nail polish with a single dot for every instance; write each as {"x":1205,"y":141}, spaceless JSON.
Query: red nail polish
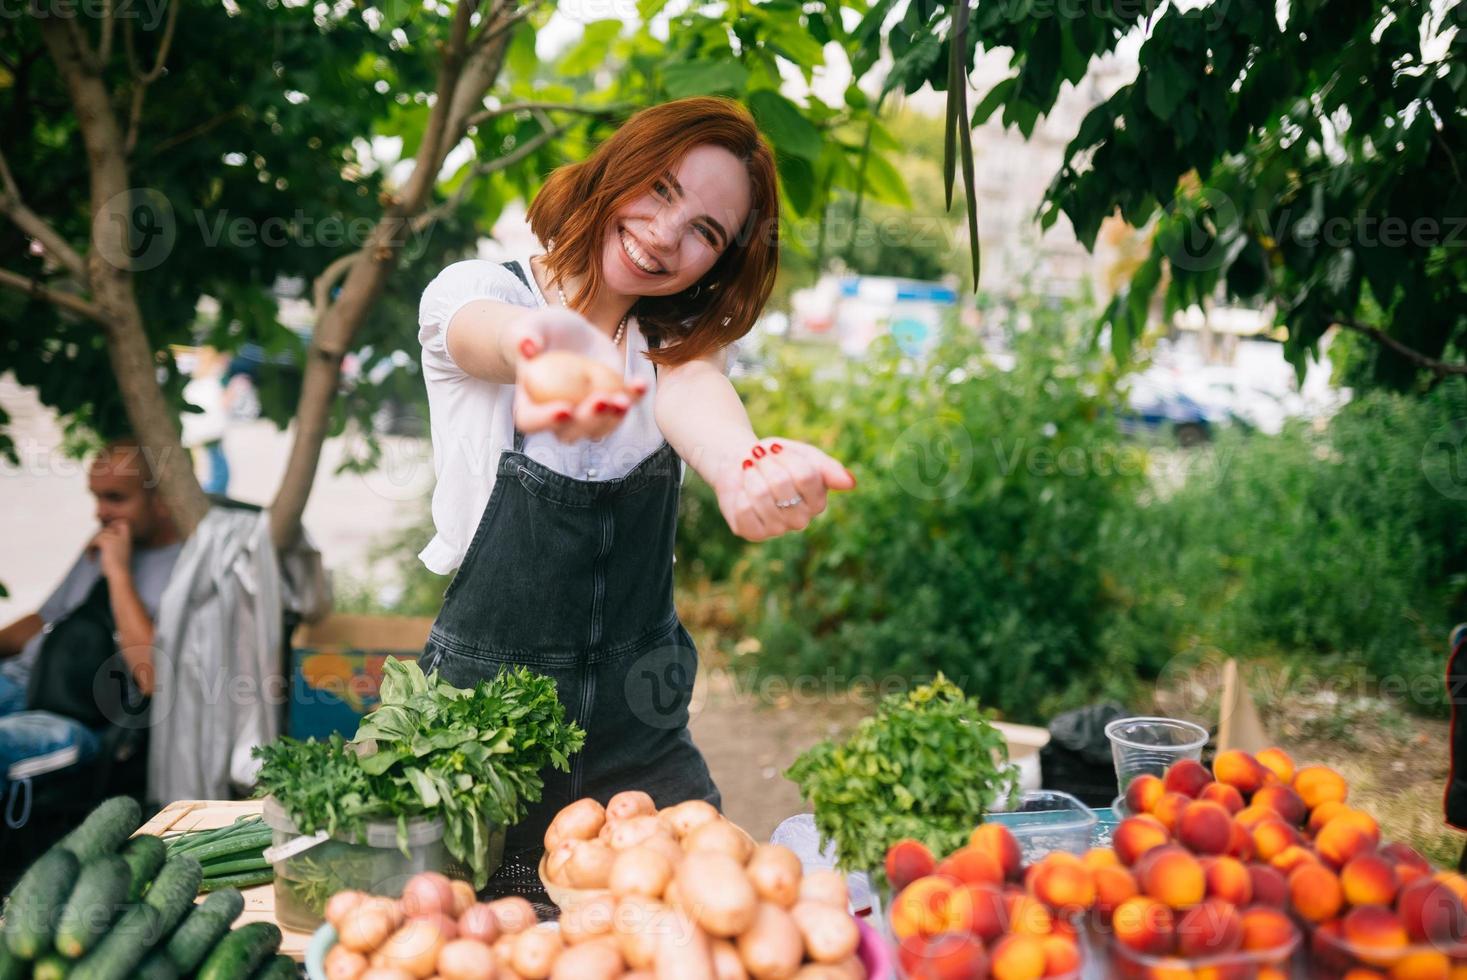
{"x":562,"y":416}
{"x":850,"y":474}
{"x":527,"y":347}
{"x":776,"y":447}
{"x":748,"y":463}
{"x":618,"y":410}
{"x":758,"y":452}
{"x":601,"y":407}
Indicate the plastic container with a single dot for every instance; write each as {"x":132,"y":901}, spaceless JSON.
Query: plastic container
{"x":1126,"y":964}
{"x":798,"y":833}
{"x":1332,"y":957}
{"x":375,"y":864}
{"x":897,"y":970}
{"x":1149,"y":745}
{"x":1047,"y":820}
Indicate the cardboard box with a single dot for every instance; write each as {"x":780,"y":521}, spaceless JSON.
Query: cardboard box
{"x":336,"y":669}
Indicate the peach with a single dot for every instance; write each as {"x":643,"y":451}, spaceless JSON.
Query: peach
{"x":1323,"y":814}
{"x":1211,"y":929}
{"x":1228,"y":879}
{"x":1240,"y":842}
{"x":1369,"y":879}
{"x":1271,"y":837}
{"x":921,"y":909}
{"x":1062,"y":882}
{"x":1283,"y":801}
{"x":988,"y":913}
{"x":1169,"y":809}
{"x":1134,"y":836}
{"x":1315,"y":892}
{"x":1224,"y":795}
{"x":1456,"y":882}
{"x":1270,"y":887}
{"x":1143,"y":793}
{"x":1017,"y":958}
{"x":1061,"y":956}
{"x":1240,"y":770}
{"x":1278,"y":762}
{"x":1253,"y":814}
{"x":999,"y":841}
{"x":1144,"y":925}
{"x":1101,"y":857}
{"x":1186,"y":776}
{"x":1319,"y":784}
{"x":1291,"y":857}
{"x":1173,"y":876}
{"x":1112,"y":887}
{"x":1270,"y":973}
{"x":906,"y":861}
{"x":1266,"y":928}
{"x":1027,"y":916}
{"x":1342,"y":839}
{"x":1431,"y":912}
{"x":1205,"y":827}
{"x":1376,"y":933}
{"x":1425,"y":964}
{"x":949,"y":956}
{"x":1167,"y":969}
{"x":1409,"y":864}
{"x":972,"y":866}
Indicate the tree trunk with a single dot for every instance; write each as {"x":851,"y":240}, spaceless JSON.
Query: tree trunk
{"x":128,"y":349}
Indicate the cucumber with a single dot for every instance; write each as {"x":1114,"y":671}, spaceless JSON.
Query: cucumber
{"x":105,"y":829}
{"x":238,"y":844}
{"x":204,"y":927}
{"x":281,"y":967}
{"x":144,"y":856}
{"x":36,"y":903}
{"x":157,"y":966}
{"x":172,"y":893}
{"x":98,"y":898}
{"x":248,"y":879}
{"x":127,"y":944}
{"x":241,"y":952}
{"x":52,"y":966}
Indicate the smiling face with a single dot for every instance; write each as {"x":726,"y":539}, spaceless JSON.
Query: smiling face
{"x":663,"y":242}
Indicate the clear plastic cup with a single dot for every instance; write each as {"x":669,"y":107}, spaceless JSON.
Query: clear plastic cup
{"x":1142,"y":745}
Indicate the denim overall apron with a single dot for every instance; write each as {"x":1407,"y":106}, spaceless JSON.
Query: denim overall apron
{"x":573,"y":579}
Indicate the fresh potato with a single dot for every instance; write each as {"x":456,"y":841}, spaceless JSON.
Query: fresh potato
{"x":479,"y":922}
{"x":589,"y":865}
{"x":683,"y":951}
{"x":716,"y":892}
{"x":344,"y":963}
{"x":634,"y":927}
{"x":721,"y":836}
{"x":727,"y":965}
{"x":630,"y":803}
{"x":830,"y":933}
{"x":588,"y":920}
{"x":515,"y":914}
{"x":663,"y":844}
{"x":771,"y":948}
{"x":683,"y":818}
{"x":365,"y":927}
{"x":775,"y":872}
{"x":827,"y":886}
{"x":463,"y":896}
{"x":598,"y":960}
{"x":581,"y":820}
{"x":535,"y":951}
{"x":414,"y":948}
{"x":465,"y":959}
{"x":631,"y":831}
{"x":640,"y":871}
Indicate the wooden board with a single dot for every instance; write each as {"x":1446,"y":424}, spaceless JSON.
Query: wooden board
{"x":209,"y":815}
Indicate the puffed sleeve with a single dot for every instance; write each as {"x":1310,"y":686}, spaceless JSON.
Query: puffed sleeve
{"x":456,"y":286}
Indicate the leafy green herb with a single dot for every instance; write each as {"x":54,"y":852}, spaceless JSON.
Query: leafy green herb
{"x":471,"y":756}
{"x":928,"y":766}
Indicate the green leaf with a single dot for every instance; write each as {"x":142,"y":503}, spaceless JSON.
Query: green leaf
{"x":996,"y":97}
{"x":704,"y":78}
{"x":797,"y":180}
{"x":592,"y":50}
{"x":885,"y":182}
{"x":784,"y":124}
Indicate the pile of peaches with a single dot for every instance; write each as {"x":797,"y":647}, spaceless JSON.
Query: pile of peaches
{"x":1211,"y":875}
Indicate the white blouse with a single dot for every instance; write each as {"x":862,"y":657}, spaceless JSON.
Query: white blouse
{"x":472,"y":420}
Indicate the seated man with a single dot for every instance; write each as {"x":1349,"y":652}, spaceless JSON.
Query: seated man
{"x":122,"y":571}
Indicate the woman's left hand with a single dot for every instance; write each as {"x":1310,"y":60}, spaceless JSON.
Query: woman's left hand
{"x":778,"y":487}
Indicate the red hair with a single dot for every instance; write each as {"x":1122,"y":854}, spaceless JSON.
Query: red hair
{"x":576,"y":207}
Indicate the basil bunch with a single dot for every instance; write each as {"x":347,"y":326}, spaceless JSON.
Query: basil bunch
{"x":473,"y":757}
{"x":927,"y":766}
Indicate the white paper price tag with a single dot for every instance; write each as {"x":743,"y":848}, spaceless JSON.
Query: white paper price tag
{"x":279,"y":853}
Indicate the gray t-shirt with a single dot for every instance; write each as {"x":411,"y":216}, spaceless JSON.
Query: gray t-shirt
{"x":151,"y":568}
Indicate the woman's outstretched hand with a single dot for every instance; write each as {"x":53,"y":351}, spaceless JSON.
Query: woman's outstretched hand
{"x":778,"y":487}
{"x":593,"y":416}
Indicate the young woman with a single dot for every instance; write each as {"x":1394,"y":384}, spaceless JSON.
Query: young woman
{"x":661,"y":250}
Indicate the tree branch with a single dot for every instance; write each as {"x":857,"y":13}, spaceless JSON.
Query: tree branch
{"x":484,"y":115}
{"x":66,"y":301}
{"x":142,"y":81}
{"x":109,"y":21}
{"x":35,"y":226}
{"x":1439,"y":368}
{"x":500,"y":163}
{"x":195,"y":131}
{"x":321,"y":288}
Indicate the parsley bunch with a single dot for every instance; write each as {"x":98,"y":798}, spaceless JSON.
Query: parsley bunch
{"x":928,"y":766}
{"x":473,"y":757}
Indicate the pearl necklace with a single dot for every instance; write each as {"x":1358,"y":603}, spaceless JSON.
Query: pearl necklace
{"x":621,"y":328}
